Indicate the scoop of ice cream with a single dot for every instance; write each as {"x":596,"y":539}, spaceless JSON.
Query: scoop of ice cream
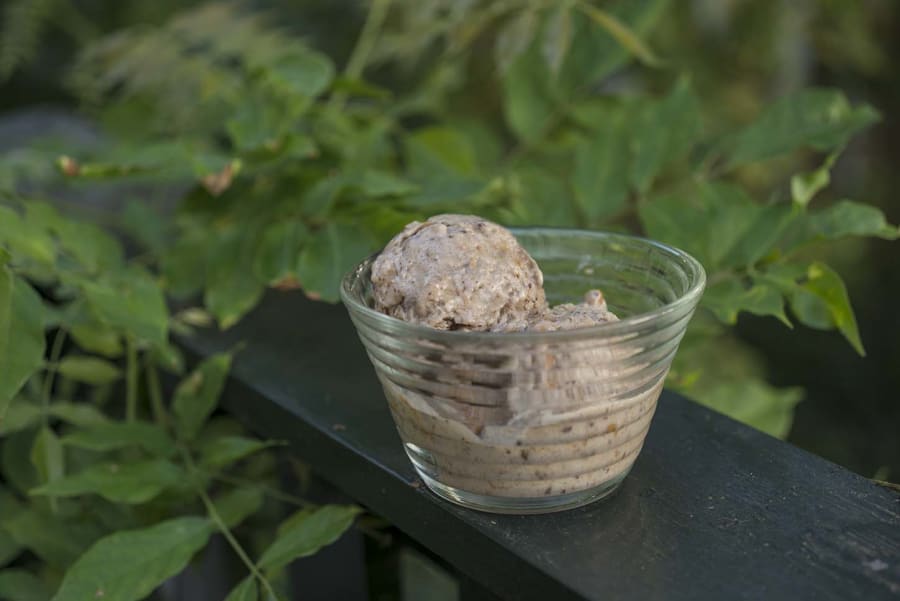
{"x":592,"y":312}
{"x":458,"y":272}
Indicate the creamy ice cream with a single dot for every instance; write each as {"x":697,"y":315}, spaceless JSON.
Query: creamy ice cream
{"x":549,"y":419}
{"x":458,"y":272}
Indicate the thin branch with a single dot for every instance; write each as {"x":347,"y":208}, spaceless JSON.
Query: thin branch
{"x":356,"y":64}
{"x":55,"y":351}
{"x":131,"y":379}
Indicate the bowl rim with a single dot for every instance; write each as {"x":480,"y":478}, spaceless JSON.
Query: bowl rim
{"x":623,"y":327}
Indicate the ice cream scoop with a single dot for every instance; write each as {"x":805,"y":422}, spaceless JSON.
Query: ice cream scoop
{"x":458,"y":272}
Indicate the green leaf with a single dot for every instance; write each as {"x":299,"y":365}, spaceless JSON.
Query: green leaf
{"x":79,"y":414}
{"x":842,"y":220}
{"x":132,"y":302}
{"x":18,"y":471}
{"x":145,"y":225}
{"x":306,"y":532}
{"x":821,"y":119}
{"x":225,"y":450}
{"x":47,"y":456}
{"x":377,"y":184}
{"x":827,"y":288}
{"x":279,"y":250}
{"x":134,"y":482}
{"x":168,"y":357}
{"x":804,"y":186}
{"x":754,"y":402}
{"x":97,"y":338}
{"x":717,"y":223}
{"x":557,"y":37}
{"x":624,"y":35}
{"x":21,"y":415}
{"x":89,"y":370}
{"x":728,"y":298}
{"x":21,"y":585}
{"x":439,"y":151}
{"x":117,"y":435}
{"x":197,"y":395}
{"x":665,"y":132}
{"x":818,"y":298}
{"x":56,"y":540}
{"x":237,"y":505}
{"x":529,"y":101}
{"x":89,"y":245}
{"x":329,"y":254}
{"x":21,"y":335}
{"x":128,"y":566}
{"x":601,"y":168}
{"x":301,"y":73}
{"x":9,"y":548}
{"x":246,"y":590}
{"x":231,"y":287}
{"x":543,"y":200}
{"x":514,"y":38}
{"x":24,"y":238}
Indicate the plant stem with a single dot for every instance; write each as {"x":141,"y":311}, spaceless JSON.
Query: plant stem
{"x":223,"y":527}
{"x":55,"y":351}
{"x":364,"y":44}
{"x":131,"y":379}
{"x":156,"y":402}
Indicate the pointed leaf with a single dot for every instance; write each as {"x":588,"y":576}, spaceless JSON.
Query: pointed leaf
{"x":804,"y":186}
{"x":246,"y":590}
{"x":134,"y":482}
{"x":117,"y":435}
{"x":89,"y":370}
{"x":306,"y":532}
{"x":55,"y":540}
{"x":25,"y":239}
{"x":279,"y":250}
{"x":822,"y":119}
{"x":824,"y":284}
{"x":225,"y":450}
{"x":842,"y":220}
{"x":197,"y":395}
{"x":21,"y":335}
{"x":79,"y":414}
{"x":728,"y":298}
{"x":231,"y":286}
{"x":128,"y":566}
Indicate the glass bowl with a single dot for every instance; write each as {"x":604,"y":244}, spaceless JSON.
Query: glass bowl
{"x":533,"y":422}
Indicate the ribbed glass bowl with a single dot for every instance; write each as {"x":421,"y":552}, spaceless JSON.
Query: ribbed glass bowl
{"x":544,"y":421}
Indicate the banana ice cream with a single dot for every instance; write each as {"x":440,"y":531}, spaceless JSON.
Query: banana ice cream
{"x":525,"y":424}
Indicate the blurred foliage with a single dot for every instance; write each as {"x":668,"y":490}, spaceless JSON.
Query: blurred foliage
{"x":605,"y":115}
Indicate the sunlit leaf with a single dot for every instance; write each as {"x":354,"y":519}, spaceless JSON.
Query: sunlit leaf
{"x":804,"y":186}
{"x":97,"y":338}
{"x":842,"y":220}
{"x":25,"y":238}
{"x":128,"y":566}
{"x":821,"y":119}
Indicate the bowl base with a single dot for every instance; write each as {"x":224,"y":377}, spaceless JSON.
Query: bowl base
{"x":522,"y":505}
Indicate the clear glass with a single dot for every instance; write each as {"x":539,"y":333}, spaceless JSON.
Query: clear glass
{"x":544,"y":421}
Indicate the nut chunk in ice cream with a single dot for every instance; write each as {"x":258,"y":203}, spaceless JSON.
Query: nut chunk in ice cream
{"x":591,"y":312}
{"x":458,"y":272}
